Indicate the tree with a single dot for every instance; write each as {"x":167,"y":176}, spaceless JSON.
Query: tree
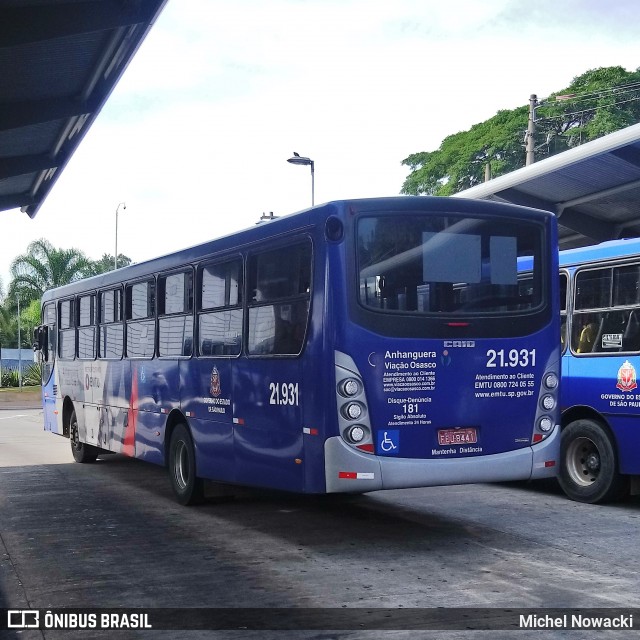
{"x":106,"y":264}
{"x":43,"y":267}
{"x":596,"y":103}
{"x":8,"y":328}
{"x":29,"y":320}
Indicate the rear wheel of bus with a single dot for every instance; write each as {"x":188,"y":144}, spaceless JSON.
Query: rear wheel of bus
{"x":81,"y":452}
{"x":589,"y":464}
{"x":188,"y":488}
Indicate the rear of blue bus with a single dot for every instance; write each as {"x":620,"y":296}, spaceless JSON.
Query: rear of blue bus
{"x":446,"y":358}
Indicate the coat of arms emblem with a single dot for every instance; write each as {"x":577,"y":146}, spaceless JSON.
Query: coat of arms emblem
{"x":627,"y":377}
{"x":215,"y":383}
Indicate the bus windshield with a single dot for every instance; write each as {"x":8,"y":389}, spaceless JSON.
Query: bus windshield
{"x":448,"y":264}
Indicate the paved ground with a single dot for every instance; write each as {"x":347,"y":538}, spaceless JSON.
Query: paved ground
{"x":16,"y":398}
{"x":110,"y":535}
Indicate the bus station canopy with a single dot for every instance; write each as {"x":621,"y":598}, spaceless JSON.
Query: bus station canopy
{"x":59,"y":62}
{"x":594,"y":189}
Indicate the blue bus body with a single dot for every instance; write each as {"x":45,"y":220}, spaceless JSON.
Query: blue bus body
{"x":439,"y":380}
{"x":600,"y":398}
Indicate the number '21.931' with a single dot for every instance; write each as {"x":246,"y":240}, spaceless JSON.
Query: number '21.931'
{"x":512,"y":358}
{"x":283,"y":393}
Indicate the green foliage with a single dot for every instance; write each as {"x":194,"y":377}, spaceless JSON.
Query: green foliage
{"x":10,"y":378}
{"x":31,"y":376}
{"x":596,"y":103}
{"x":8,"y":328}
{"x":29,"y":320}
{"x":44,"y":267}
{"x":106,"y":263}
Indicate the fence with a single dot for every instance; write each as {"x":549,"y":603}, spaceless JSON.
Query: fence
{"x":11,"y":359}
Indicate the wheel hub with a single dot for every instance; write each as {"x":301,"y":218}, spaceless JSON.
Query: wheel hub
{"x":592,"y":462}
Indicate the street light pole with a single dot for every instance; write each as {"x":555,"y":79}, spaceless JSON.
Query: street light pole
{"x":115,"y":257}
{"x":19,"y":347}
{"x":296,"y":158}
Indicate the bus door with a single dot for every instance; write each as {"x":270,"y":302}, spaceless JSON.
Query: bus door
{"x":268,"y":382}
{"x":46,"y":338}
{"x":207,"y":385}
{"x":89,"y":370}
{"x":267,"y":422}
{"x":207,"y":380}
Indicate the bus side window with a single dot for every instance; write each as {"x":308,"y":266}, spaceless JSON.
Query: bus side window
{"x":140,"y":315}
{"x":592,"y":294}
{"x":220,"y":315}
{"x":87,"y":327}
{"x":281,"y":280}
{"x":110,"y":329}
{"x":66,"y":323}
{"x":564,"y":283}
{"x":175,"y":313}
{"x":631,"y":336}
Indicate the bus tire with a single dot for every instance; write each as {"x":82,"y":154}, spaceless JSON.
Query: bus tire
{"x":81,"y":452}
{"x":187,"y":487}
{"x":589,"y":464}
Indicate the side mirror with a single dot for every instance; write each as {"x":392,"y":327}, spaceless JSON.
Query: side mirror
{"x":41,"y":341}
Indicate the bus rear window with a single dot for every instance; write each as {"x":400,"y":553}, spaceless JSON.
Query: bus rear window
{"x":448,"y":264}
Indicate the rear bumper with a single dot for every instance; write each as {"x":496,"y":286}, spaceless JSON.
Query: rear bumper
{"x":348,"y":470}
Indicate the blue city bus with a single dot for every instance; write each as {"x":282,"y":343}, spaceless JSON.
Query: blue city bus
{"x":600,"y":398}
{"x":355,"y":346}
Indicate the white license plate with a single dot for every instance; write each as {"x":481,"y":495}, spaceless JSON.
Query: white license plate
{"x":457,"y":436}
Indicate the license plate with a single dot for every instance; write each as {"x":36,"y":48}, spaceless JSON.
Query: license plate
{"x":457,"y":436}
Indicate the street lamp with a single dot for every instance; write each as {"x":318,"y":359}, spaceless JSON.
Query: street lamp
{"x":298,"y":159}
{"x":115,"y":258}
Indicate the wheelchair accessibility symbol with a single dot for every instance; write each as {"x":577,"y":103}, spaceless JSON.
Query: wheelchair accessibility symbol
{"x":389,"y":442}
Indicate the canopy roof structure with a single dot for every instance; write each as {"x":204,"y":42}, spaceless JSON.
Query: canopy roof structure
{"x":594,"y":189}
{"x":59,"y":62}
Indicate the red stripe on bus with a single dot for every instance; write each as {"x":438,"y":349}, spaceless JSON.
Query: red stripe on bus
{"x":129,"y":444}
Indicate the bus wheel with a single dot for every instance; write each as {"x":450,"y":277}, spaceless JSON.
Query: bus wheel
{"x":81,"y":452}
{"x":188,"y":488}
{"x":589,"y":466}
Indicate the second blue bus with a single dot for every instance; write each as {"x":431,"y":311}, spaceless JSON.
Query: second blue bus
{"x":600,"y":293}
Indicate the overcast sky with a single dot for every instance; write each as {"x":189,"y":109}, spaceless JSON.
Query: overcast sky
{"x":195,"y":137}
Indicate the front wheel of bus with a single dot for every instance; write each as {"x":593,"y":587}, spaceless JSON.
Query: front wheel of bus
{"x":81,"y":452}
{"x":188,"y":488}
{"x":589,"y":465}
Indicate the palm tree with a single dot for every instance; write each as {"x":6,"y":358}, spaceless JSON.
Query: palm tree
{"x":7,"y":328}
{"x":44,"y":267}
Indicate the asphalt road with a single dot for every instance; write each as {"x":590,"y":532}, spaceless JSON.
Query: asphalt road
{"x":110,"y":534}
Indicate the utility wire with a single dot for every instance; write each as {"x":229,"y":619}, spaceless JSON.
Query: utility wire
{"x":564,"y":116}
{"x":581,"y":97}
